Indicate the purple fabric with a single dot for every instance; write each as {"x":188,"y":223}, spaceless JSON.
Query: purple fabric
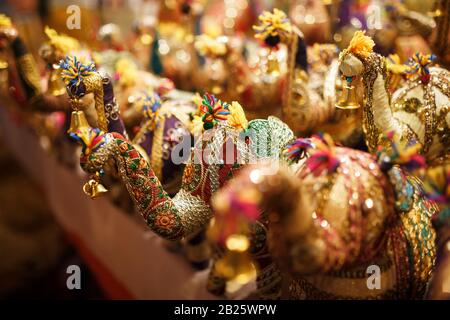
{"x":361,"y":16}
{"x":114,"y":125}
{"x":147,"y":143}
{"x":169,"y":168}
{"x":348,"y":10}
{"x":344,"y":13}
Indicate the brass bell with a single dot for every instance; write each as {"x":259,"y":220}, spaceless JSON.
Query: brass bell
{"x":3,"y":64}
{"x":3,"y":76}
{"x":236,"y":266}
{"x":273,"y":65}
{"x":348,"y":99}
{"x":77,"y":121}
{"x":94,"y":189}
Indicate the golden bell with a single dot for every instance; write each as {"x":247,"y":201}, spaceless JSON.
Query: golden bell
{"x":348,"y":99}
{"x":77,"y":121}
{"x":236,"y":268}
{"x":3,"y":76}
{"x":3,"y":64}
{"x":236,"y":265}
{"x":273,"y":65}
{"x":94,"y":189}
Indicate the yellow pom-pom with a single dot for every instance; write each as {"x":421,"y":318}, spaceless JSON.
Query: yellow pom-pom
{"x":273,"y":24}
{"x":196,"y":126}
{"x":237,"y":117}
{"x":419,"y":65}
{"x":5,"y":21}
{"x":361,"y":45}
{"x":127,"y":72}
{"x":74,"y":71}
{"x":61,"y":42}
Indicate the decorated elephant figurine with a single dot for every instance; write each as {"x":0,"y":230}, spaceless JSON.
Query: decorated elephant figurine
{"x":214,"y":160}
{"x":312,"y":82}
{"x":417,"y":111}
{"x":28,"y":89}
{"x":339,"y":216}
{"x":82,"y":79}
{"x":437,"y":188}
{"x":164,"y":125}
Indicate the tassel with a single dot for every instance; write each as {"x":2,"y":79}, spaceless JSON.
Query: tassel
{"x":360,"y":45}
{"x":322,"y":156}
{"x":418,"y":66}
{"x":213,"y":111}
{"x":296,"y":150}
{"x":149,"y":106}
{"x":89,"y":138}
{"x":273,"y":27}
{"x":399,"y":153}
{"x":74,"y":72}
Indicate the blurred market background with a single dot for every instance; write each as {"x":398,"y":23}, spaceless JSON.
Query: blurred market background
{"x":33,"y":249}
{"x":34,"y":252}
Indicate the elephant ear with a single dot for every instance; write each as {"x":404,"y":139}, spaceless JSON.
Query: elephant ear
{"x":281,"y":134}
{"x":270,"y":136}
